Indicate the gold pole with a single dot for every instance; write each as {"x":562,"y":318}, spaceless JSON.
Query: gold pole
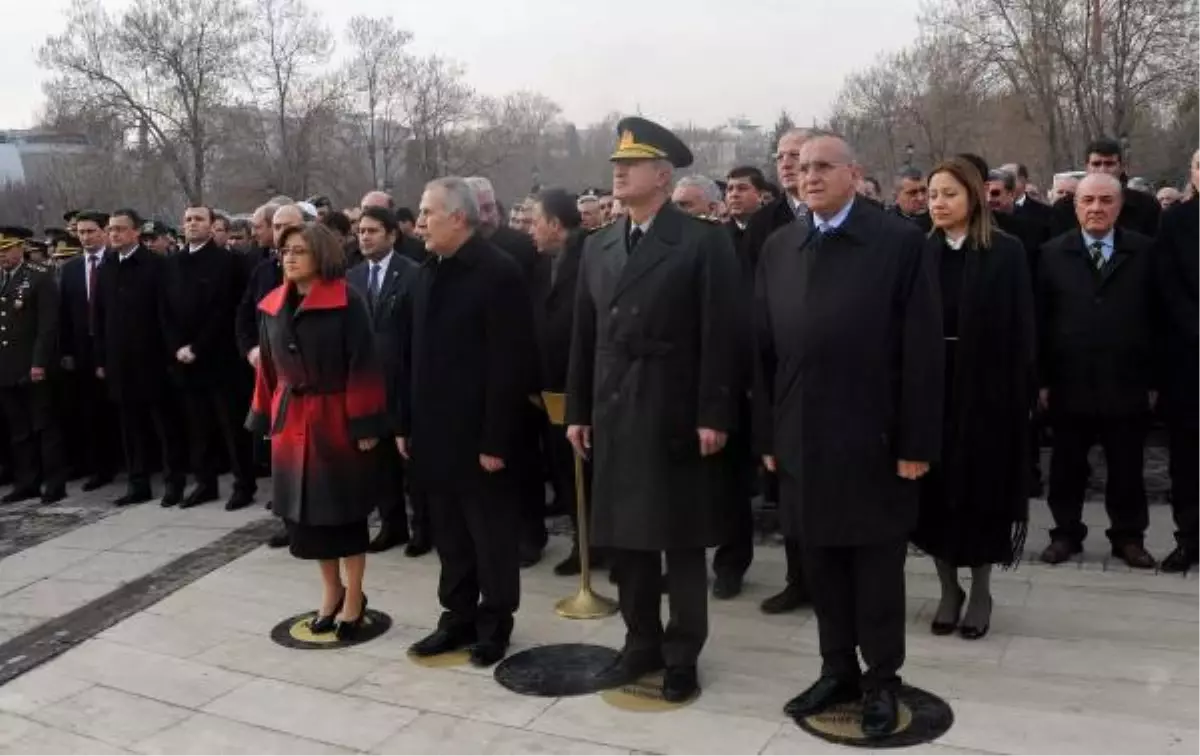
{"x":585,"y":604}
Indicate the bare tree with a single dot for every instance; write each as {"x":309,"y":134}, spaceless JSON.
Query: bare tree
{"x":436,"y":103}
{"x":378,"y":74}
{"x":164,"y":65}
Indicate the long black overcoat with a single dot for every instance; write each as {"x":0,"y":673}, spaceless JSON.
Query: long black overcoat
{"x":653,"y":360}
{"x":849,"y":374}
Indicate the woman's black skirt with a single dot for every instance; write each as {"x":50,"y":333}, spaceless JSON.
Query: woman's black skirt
{"x":328,"y":541}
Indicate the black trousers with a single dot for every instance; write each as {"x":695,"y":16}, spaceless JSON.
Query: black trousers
{"x":393,"y":514}
{"x":640,"y":586}
{"x":35,"y":436}
{"x":530,"y":475}
{"x":142,"y":423}
{"x":735,"y":555}
{"x":97,"y":423}
{"x":858,"y":595}
{"x":1123,"y":441}
{"x":215,"y":416}
{"x":1184,"y":443}
{"x":475,"y":535}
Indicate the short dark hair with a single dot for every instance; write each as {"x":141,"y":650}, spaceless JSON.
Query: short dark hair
{"x":325,"y":248}
{"x":338,"y":221}
{"x":131,"y":214}
{"x":1022,"y":171}
{"x":405,"y":215}
{"x":1006,"y":178}
{"x":221,"y":218}
{"x":95,"y":216}
{"x":560,"y":205}
{"x":212,"y":214}
{"x":875,"y":183}
{"x":748,"y":172}
{"x":910,"y":173}
{"x":383,"y":215}
{"x":1106,"y":146}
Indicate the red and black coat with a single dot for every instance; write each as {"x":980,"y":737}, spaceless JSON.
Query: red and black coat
{"x":319,"y":390}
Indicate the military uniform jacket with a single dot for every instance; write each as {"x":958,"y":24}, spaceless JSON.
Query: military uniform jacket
{"x":653,"y":360}
{"x":28,"y":323}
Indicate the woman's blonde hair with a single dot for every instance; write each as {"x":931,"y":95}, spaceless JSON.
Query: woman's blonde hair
{"x":979,"y":215}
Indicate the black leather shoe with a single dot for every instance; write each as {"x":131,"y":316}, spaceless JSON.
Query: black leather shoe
{"x":487,"y":653}
{"x":442,"y":641}
{"x":1135,"y":555}
{"x":388,"y":538}
{"x":19,"y":494}
{"x":680,"y":684}
{"x":96,"y":481}
{"x":172,"y":496}
{"x":627,"y":668}
{"x":825,"y":693}
{"x":279,"y":540}
{"x":1181,"y":559}
{"x":1060,"y":551}
{"x":727,"y":586}
{"x":54,"y":495}
{"x":945,"y":628}
{"x":529,"y":555}
{"x":239,"y":500}
{"x":969,"y":632}
{"x":347,"y":630}
{"x":321,"y":624}
{"x":133,"y":496}
{"x":199,"y":495}
{"x":791,"y":598}
{"x":569,"y":566}
{"x":418,"y":545}
{"x":880,"y":713}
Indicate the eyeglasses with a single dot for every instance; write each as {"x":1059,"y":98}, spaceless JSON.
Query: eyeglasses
{"x":294,"y":251}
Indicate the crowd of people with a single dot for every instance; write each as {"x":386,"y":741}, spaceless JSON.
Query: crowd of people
{"x":884,"y":373}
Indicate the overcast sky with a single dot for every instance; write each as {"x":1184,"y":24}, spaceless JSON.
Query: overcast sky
{"x":698,"y":61}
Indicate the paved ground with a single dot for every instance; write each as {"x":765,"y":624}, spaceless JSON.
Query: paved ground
{"x":1085,"y":657}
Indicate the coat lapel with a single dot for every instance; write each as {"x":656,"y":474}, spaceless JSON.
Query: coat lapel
{"x":655,"y":247}
{"x":1120,"y":255}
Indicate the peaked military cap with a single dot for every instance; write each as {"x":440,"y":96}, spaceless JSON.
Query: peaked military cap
{"x":154,"y":229}
{"x":641,"y":139}
{"x":11,"y":236}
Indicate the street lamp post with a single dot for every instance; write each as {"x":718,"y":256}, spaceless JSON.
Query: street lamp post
{"x":908,"y":155}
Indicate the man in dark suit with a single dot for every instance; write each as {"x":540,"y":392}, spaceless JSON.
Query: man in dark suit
{"x":407,"y":244}
{"x":198,"y":304}
{"x":472,"y":370}
{"x":559,"y":235}
{"x":132,"y":359}
{"x":652,"y":395}
{"x":1028,"y":209}
{"x":529,"y":469}
{"x":743,"y":198}
{"x":1176,"y":257}
{"x":1002,"y":197}
{"x":849,"y":410}
{"x":1098,"y":337}
{"x":94,"y":423}
{"x":29,"y":313}
{"x":912,"y":198}
{"x":1139,"y":211}
{"x":773,"y":216}
{"x":384,"y":279}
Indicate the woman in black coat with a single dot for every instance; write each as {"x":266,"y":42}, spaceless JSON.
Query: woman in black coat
{"x":319,"y":395}
{"x":974,"y":506}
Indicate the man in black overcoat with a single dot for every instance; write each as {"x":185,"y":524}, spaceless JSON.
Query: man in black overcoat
{"x":132,"y":360}
{"x":198,"y":301}
{"x":651,"y":396}
{"x":94,"y":423}
{"x":472,"y":374}
{"x":1176,"y":256}
{"x":1099,"y":340}
{"x":535,"y":269}
{"x":384,"y":279}
{"x":559,"y":236}
{"x":849,"y":396}
{"x":780,"y":213}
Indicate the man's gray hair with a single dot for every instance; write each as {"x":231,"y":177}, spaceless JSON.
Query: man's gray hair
{"x":281,"y":200}
{"x":267,"y":211}
{"x":458,"y":196}
{"x":711,"y":191}
{"x":480,"y":185}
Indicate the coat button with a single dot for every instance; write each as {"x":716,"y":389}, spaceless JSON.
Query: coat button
{"x":1098,"y":300}
{"x":616,"y":395}
{"x":635,"y":310}
{"x":615,"y":311}
{"x":292,"y":347}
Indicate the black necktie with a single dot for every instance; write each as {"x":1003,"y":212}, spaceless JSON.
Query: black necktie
{"x":1098,"y":254}
{"x":635,"y":236}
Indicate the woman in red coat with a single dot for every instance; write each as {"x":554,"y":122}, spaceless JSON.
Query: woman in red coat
{"x":319,"y":395}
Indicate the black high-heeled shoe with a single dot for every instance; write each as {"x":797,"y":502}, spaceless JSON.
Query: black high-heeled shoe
{"x":347,"y":630}
{"x":320,"y":625}
{"x":946,"y":628}
{"x":975,"y":633}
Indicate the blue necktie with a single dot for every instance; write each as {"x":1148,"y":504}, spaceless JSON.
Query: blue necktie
{"x":373,"y":283}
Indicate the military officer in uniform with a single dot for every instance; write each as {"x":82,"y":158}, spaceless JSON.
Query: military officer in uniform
{"x":28,"y":345}
{"x":652,"y":388}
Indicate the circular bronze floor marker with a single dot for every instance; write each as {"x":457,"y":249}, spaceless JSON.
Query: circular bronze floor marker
{"x":294,"y":632}
{"x":644,"y":695}
{"x":565,"y":669}
{"x":923,"y":717}
{"x":457,"y":658}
